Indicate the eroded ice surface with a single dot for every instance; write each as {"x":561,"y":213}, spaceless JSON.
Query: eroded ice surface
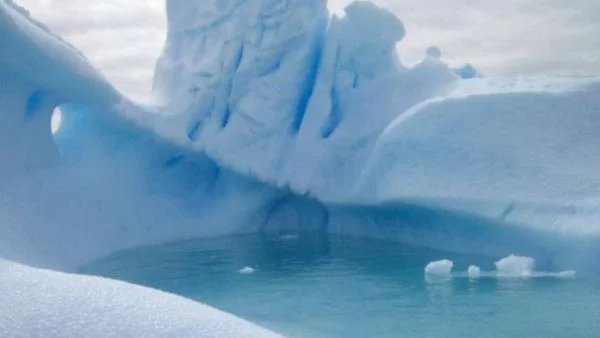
{"x":257,"y":102}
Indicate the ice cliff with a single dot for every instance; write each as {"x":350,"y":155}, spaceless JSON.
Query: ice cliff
{"x":272,"y":115}
{"x":324,"y":107}
{"x":280,"y":92}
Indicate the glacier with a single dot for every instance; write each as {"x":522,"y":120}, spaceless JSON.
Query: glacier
{"x":274,"y":116}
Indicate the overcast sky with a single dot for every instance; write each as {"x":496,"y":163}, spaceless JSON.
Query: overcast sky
{"x":500,"y":37}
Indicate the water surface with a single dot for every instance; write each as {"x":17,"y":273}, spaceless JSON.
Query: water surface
{"x":313,"y":285}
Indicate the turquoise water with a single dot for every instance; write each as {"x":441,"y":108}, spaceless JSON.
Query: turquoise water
{"x":318,"y":286}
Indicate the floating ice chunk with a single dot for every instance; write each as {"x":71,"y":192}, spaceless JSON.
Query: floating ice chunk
{"x":247,"y":270}
{"x":562,"y":274}
{"x":515,"y":266}
{"x":440,"y":268}
{"x":566,"y":274}
{"x":474,"y":271}
{"x":439,"y":271}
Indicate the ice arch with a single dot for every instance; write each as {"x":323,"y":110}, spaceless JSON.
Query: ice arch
{"x":264,"y":103}
{"x":51,"y":214}
{"x":33,"y":84}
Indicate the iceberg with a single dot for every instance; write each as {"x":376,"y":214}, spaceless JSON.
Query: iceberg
{"x":274,"y":116}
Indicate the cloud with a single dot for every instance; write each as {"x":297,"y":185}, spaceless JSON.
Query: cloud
{"x":559,"y":37}
{"x":123,"y":38}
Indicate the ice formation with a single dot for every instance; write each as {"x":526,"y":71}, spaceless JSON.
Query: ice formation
{"x":474,"y":271}
{"x":442,"y":267}
{"x":330,"y":112}
{"x":511,"y":266}
{"x":273,"y":116}
{"x":524,"y":267}
{"x":515,"y":266}
{"x":247,"y":270}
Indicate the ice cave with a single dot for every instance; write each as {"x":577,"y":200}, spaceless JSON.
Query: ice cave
{"x":292,"y":177}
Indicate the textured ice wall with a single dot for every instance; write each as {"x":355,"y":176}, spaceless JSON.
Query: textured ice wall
{"x":373,"y":130}
{"x":521,"y":151}
{"x":60,"y":211}
{"x":24,"y":134}
{"x":332,"y":113}
{"x":272,"y":90}
{"x":38,"y":71}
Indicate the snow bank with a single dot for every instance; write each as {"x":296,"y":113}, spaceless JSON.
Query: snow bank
{"x":42,"y":303}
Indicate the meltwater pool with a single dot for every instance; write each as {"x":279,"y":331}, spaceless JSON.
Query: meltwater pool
{"x":313,"y":285}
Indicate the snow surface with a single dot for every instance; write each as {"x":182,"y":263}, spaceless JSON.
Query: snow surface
{"x":53,"y":304}
{"x":272,"y":116}
{"x":299,"y":110}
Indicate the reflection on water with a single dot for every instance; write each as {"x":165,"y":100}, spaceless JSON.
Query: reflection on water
{"x":312,"y":285}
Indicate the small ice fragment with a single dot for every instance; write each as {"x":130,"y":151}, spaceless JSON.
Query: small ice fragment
{"x":440,"y":268}
{"x":515,"y":266}
{"x":288,"y":237}
{"x":474,"y":271}
{"x":247,"y":270}
{"x":567,"y":274}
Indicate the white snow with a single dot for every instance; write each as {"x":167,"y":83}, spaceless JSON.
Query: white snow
{"x":42,"y":303}
{"x":258,"y":100}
